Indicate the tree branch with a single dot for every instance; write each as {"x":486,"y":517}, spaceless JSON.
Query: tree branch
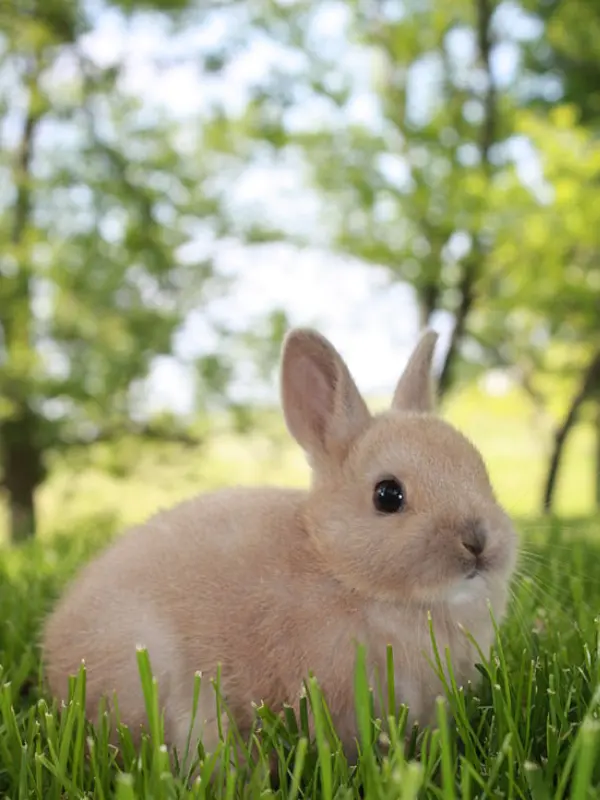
{"x":147,"y":432}
{"x":473,"y":264}
{"x":523,"y":374}
{"x":15,"y":310}
{"x":589,"y":381}
{"x":23,"y":176}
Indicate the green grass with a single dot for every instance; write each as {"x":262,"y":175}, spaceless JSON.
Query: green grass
{"x":528,"y":730}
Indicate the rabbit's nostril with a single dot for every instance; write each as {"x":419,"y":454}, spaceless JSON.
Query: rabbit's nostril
{"x":475,"y":548}
{"x":474,"y":538}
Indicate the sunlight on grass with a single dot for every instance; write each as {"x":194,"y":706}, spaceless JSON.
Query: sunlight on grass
{"x":514,"y":443}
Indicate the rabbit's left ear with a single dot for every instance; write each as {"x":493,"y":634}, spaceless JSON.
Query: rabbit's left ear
{"x":414,"y":391}
{"x":323,"y":408}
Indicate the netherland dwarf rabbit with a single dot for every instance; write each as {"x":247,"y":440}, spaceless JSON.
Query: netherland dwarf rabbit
{"x":400,"y":520}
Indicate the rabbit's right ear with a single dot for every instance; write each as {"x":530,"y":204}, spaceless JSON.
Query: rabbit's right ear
{"x":323,"y":408}
{"x":414,"y":391}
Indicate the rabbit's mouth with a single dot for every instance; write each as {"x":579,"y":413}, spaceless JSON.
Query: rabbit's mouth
{"x":480,"y":568}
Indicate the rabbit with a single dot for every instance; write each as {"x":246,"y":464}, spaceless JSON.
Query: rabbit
{"x":399,"y":521}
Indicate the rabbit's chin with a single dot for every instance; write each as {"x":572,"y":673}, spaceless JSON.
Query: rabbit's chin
{"x":468,"y":591}
{"x":475,"y":597}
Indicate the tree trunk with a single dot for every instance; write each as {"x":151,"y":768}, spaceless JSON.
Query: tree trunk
{"x":22,"y":461}
{"x":22,"y":514}
{"x":590,"y":379}
{"x":597,"y":458}
{"x":467,"y":298}
{"x":21,"y":457}
{"x":475,"y":262}
{"x":428,"y":301}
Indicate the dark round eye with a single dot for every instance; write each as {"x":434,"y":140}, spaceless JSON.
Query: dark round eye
{"x":389,"y":496}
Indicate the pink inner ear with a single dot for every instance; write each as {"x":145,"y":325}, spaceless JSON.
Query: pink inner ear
{"x":313,"y":402}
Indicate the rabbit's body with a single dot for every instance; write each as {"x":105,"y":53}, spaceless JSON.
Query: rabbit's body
{"x":243,"y":594}
{"x":274,"y":583}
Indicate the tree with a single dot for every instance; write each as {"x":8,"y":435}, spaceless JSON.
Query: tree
{"x":426,"y":186}
{"x":565,"y":64}
{"x":97,"y":202}
{"x":406,"y":188}
{"x":553,"y":295}
{"x":564,"y":60}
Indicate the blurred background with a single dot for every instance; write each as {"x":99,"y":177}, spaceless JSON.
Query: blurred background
{"x":182,"y":181}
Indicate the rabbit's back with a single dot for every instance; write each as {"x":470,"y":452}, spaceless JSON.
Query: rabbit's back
{"x":196,"y":585}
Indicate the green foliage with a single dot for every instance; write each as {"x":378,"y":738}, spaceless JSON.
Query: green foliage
{"x":98,"y":204}
{"x":543,"y":281}
{"x":425,"y":179}
{"x":96,"y":248}
{"x":529,"y":729}
{"x":455,"y":175}
{"x":402,"y":127}
{"x":407,"y":183}
{"x":165,"y":6}
{"x":567,"y":54}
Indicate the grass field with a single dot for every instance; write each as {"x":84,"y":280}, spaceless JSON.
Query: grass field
{"x":529,"y":729}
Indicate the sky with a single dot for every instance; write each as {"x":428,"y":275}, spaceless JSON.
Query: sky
{"x":373,"y":325}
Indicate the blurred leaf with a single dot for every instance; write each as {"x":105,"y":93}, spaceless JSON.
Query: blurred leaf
{"x":99,"y":216}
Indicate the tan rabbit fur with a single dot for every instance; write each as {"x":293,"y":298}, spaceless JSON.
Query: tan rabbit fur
{"x":271,"y":583}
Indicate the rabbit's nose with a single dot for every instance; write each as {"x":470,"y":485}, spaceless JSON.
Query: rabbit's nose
{"x":474,"y":537}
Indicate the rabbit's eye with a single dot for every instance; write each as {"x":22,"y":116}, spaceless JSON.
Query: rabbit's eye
{"x":389,"y":496}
